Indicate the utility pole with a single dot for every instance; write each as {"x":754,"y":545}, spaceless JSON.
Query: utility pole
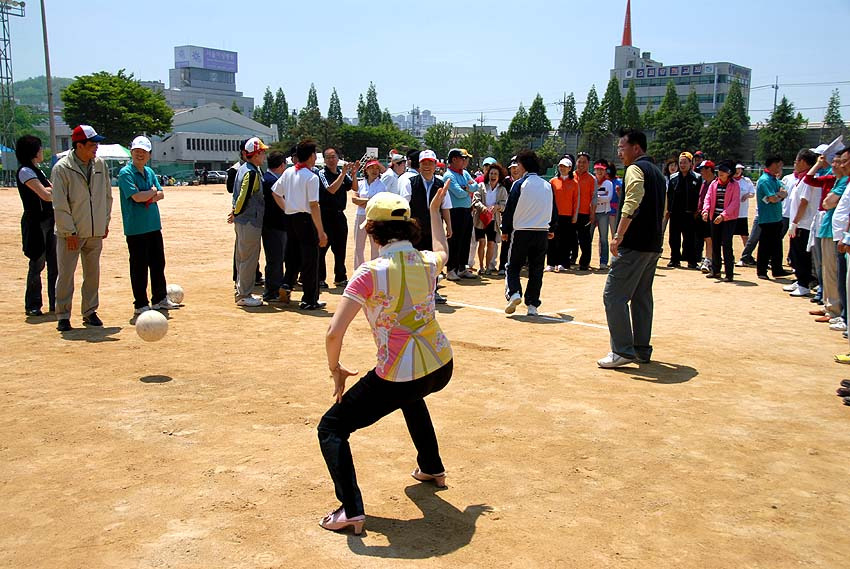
{"x":53,"y":148}
{"x":775,"y":92}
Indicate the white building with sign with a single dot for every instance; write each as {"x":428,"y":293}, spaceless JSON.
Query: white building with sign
{"x":711,"y":81}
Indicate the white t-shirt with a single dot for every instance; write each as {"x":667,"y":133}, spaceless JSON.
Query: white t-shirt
{"x":788,"y":182}
{"x":491,"y":195}
{"x":603,"y":196}
{"x":749,"y":190}
{"x":804,"y":191}
{"x":390,"y":180}
{"x":298,"y":188}
{"x":366,"y":190}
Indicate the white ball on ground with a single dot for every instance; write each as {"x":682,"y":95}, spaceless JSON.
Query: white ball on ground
{"x":151,"y":326}
{"x":174,"y":292}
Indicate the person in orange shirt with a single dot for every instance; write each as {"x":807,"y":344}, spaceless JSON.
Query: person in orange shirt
{"x":587,"y":186}
{"x":565,"y":190}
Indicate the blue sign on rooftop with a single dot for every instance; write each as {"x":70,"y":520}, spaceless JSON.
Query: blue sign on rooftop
{"x":205,"y":58}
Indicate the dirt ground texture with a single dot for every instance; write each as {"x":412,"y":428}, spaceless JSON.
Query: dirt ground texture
{"x":200,"y":451}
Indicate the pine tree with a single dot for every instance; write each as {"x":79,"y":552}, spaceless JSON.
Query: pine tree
{"x":832,"y":121}
{"x":783,"y":135}
{"x":280,"y":115}
{"x":631,"y":114}
{"x":386,"y":117}
{"x":591,"y":107}
{"x":372,"y":115}
{"x":312,"y":100}
{"x":235,"y":108}
{"x":361,"y":112}
{"x":648,"y":118}
{"x":538,"y":122}
{"x":267,"y":108}
{"x":725,"y":132}
{"x":519,"y":124}
{"x":335,"y":109}
{"x":569,"y":120}
{"x":612,"y":107}
{"x":670,"y":104}
{"x":310,"y":118}
{"x":692,"y":123}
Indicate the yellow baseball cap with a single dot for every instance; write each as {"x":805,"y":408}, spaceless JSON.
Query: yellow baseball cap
{"x":386,"y":206}
{"x":687,"y":155}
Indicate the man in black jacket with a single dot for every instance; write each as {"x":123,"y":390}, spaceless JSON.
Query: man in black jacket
{"x":682,"y":198}
{"x":637,"y":247}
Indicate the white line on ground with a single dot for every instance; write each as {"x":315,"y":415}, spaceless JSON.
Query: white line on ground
{"x":541,"y":316}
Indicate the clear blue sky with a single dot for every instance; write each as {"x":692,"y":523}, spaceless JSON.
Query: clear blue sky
{"x":455,"y":58}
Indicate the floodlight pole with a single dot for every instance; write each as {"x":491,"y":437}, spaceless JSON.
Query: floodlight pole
{"x":53,"y":148}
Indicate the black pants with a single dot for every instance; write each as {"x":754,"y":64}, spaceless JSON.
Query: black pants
{"x":504,"y":250}
{"x":526,"y":246}
{"x":683,"y":238}
{"x":369,"y":400}
{"x":561,"y":246}
{"x":770,"y":248}
{"x":336,"y":228}
{"x":721,"y":239}
{"x":800,"y":258}
{"x":304,"y":238}
{"x":584,"y":232}
{"x":147,"y":254}
{"x":459,"y":241}
{"x":40,"y":247}
{"x":274,"y":244}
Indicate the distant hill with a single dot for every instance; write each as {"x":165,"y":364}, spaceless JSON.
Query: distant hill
{"x":33,"y":91}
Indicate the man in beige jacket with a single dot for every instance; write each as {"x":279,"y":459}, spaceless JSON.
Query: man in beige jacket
{"x":82,"y":202}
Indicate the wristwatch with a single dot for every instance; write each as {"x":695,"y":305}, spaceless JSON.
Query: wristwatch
{"x":616,"y":236}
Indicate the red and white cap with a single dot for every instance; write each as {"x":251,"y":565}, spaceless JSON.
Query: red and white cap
{"x":427,"y":155}
{"x":84,"y":132}
{"x":254,"y":145}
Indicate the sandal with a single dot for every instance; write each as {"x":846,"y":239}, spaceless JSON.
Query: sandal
{"x":338,"y":521}
{"x":439,"y":480}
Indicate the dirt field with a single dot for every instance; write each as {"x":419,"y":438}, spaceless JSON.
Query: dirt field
{"x":200,"y":451}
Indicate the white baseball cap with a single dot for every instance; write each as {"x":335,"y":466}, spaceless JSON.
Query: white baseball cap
{"x":142,"y":142}
{"x":566,"y":162}
{"x":427,"y":155}
{"x":741,"y":166}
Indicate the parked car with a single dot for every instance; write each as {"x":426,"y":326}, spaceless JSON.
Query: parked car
{"x":216,"y":177}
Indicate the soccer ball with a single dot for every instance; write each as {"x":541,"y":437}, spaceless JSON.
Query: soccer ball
{"x":174,"y":292}
{"x":151,"y":326}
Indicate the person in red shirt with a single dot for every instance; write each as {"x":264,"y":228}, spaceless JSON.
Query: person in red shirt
{"x":565,"y":190}
{"x":586,"y":209}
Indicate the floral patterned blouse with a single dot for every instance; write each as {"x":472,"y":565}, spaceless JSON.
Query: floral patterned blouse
{"x":396,"y":291}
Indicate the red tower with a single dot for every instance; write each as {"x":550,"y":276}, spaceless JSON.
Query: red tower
{"x":627,"y":25}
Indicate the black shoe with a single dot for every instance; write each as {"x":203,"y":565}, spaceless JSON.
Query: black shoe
{"x":781,"y":274}
{"x":843,"y":391}
{"x":764,"y":277}
{"x":729,"y":279}
{"x":673,"y":265}
{"x":748,"y":261}
{"x":587,"y":268}
{"x":35,"y":312}
{"x":343,"y":283}
{"x":312,"y":305}
{"x":323,"y":284}
{"x":845,"y":383}
{"x":259,"y":282}
{"x":846,"y":400}
{"x":439,"y":298}
{"x":712,"y":276}
{"x":92,"y":320}
{"x":693,"y":266}
{"x":63,"y":325}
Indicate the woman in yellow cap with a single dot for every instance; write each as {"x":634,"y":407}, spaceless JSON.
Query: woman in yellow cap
{"x":414,"y":358}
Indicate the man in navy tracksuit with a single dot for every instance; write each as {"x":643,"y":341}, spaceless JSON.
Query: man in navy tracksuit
{"x":530,"y":218}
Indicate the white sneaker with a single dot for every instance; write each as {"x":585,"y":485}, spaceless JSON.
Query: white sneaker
{"x":613,"y":360}
{"x":452,"y":276}
{"x":839,"y":326}
{"x":513,"y":303}
{"x":603,"y":267}
{"x":548,"y":269}
{"x":249,"y":301}
{"x":440,"y":277}
{"x":560,"y":268}
{"x":836,"y":320}
{"x":532,"y":311}
{"x":165,"y":304}
{"x":705,"y":267}
{"x":142,"y":309}
{"x":801,"y":291}
{"x":791,"y":287}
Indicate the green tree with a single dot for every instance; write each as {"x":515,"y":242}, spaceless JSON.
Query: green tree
{"x":648,"y":118}
{"x":335,"y":109}
{"x":310,"y":119}
{"x":235,"y":108}
{"x":386,"y":117}
{"x":438,"y":137}
{"x":25,"y":120}
{"x":631,"y":114}
{"x":673,"y":127}
{"x":612,"y":107}
{"x":353,"y":140}
{"x":361,"y":111}
{"x":783,"y":135}
{"x":116,"y":105}
{"x":593,"y":134}
{"x":479,"y":143}
{"x":725,"y":132}
{"x":280,"y":116}
{"x":519,"y":124}
{"x":670,"y":104}
{"x":371,"y":110}
{"x":832,"y":121}
{"x":591,"y":108}
{"x":549,"y":153}
{"x":538,"y":122}
{"x":692,"y":122}
{"x":266,"y":110}
{"x":569,"y":118}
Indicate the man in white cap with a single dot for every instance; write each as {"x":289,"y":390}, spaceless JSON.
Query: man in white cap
{"x":82,"y":205}
{"x":139,"y":192}
{"x":248,"y":213}
{"x":398,"y":164}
